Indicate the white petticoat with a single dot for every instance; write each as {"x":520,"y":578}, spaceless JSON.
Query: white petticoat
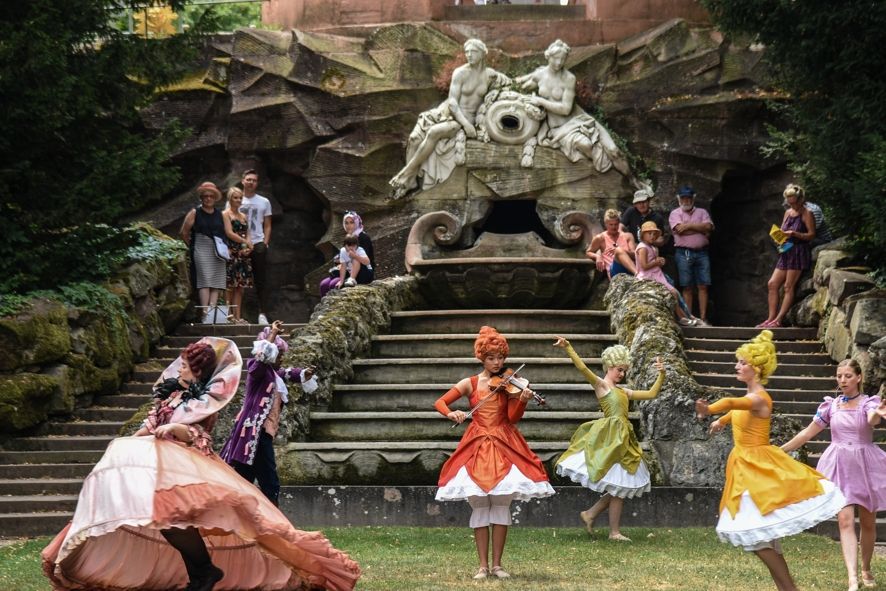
{"x":461,"y":486}
{"x":749,"y":528}
{"x":618,"y":482}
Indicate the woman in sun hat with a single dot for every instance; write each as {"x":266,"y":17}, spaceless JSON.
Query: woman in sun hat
{"x":202,"y":225}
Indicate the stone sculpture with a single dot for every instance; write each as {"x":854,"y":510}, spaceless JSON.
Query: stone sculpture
{"x":486,"y":105}
{"x":436,"y":144}
{"x":567,"y":126}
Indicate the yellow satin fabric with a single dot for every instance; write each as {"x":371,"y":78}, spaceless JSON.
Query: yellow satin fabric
{"x":772,"y":478}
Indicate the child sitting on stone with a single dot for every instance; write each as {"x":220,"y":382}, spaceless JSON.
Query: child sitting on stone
{"x":354,"y":264}
{"x":250,"y":447}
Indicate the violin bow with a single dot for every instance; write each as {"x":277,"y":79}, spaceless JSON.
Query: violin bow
{"x":483,"y":400}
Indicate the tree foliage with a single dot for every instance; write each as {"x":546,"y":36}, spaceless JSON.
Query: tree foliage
{"x":829,"y":57}
{"x":72,"y":150}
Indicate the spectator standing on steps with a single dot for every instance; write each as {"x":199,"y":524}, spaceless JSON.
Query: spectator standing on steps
{"x":692,"y":227}
{"x":641,"y":212}
{"x":258,"y":212}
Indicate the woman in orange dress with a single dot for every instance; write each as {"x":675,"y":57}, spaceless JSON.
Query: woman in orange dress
{"x":492,"y":464}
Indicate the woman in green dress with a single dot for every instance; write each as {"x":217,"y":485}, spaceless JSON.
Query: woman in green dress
{"x":604,"y":455}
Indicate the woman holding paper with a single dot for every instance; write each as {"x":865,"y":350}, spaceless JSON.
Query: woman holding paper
{"x":799,"y":226}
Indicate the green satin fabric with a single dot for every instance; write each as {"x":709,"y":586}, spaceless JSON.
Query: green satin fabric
{"x":609,"y":440}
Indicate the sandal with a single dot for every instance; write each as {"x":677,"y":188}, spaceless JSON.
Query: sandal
{"x":867,"y":579}
{"x":774,"y":324}
{"x":481,"y":574}
{"x":765,"y":324}
{"x":619,"y":538}
{"x":500,"y":573}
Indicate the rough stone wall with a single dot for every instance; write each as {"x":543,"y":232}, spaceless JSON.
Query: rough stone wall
{"x":55,"y":358}
{"x":849,"y":310}
{"x":325,"y":120}
{"x":677,"y":445}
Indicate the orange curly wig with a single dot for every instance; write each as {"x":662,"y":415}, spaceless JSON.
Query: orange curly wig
{"x":489,"y":341}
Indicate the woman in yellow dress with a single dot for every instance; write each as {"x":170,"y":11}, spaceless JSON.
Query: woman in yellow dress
{"x":604,"y":455}
{"x":767,"y":494}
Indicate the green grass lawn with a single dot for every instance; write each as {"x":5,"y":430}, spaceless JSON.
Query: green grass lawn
{"x":420,"y":559}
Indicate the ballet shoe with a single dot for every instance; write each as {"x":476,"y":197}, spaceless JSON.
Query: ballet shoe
{"x":853,"y":584}
{"x":207,"y":582}
{"x":867,"y":579}
{"x":499,"y":572}
{"x":481,"y":574}
{"x":619,"y":538}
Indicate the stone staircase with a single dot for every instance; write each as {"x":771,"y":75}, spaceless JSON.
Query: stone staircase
{"x":805,"y":373}
{"x":382,"y":429}
{"x":41,"y":475}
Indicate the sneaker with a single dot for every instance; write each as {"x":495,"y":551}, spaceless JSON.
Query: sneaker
{"x":262,"y":319}
{"x":687,"y":322}
{"x":350,"y":282}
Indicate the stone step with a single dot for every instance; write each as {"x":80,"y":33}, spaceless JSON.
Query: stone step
{"x":60,"y":443}
{"x":431,"y":425}
{"x":227,"y":330}
{"x":409,"y":370}
{"x":456,"y":345}
{"x":404,"y":397}
{"x":746,"y":333}
{"x":784,"y":369}
{"x":733,"y":344}
{"x":57,"y":471}
{"x":41,"y":486}
{"x":166,"y":355}
{"x":131,"y":401}
{"x":111,"y":428}
{"x":144,"y":389}
{"x":801,"y":409}
{"x":180,"y":342}
{"x":505,"y":321}
{"x":815,"y":387}
{"x":74,"y":456}
{"x":781,"y":395}
{"x":106,"y":413}
{"x":29,"y":525}
{"x":385,"y":463}
{"x":789,"y":358}
{"x":37,"y":503}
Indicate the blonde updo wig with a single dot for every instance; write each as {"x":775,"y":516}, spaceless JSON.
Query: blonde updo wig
{"x":793,"y":190}
{"x":616,"y":355}
{"x":759,"y":352}
{"x":489,"y":341}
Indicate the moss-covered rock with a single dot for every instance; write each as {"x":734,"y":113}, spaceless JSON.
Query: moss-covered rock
{"x":39,"y":334}
{"x":25,"y":399}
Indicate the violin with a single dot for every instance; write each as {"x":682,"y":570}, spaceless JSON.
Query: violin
{"x":508,"y":383}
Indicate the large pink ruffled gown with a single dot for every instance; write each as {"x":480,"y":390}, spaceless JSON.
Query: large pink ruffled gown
{"x":143,"y":485}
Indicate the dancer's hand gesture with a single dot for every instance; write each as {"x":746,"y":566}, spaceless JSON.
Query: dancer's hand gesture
{"x":561,"y":342}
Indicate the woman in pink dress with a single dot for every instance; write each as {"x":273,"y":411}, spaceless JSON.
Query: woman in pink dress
{"x":160,"y":511}
{"x":853,"y":462}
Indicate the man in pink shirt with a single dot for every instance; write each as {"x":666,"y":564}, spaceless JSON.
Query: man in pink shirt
{"x":692,"y":227}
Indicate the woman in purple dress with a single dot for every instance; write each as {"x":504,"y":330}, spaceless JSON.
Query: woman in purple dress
{"x":853,"y":462}
{"x":799,"y":225}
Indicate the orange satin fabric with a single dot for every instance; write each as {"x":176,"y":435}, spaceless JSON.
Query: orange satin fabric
{"x":491,"y":443}
{"x":772,"y":478}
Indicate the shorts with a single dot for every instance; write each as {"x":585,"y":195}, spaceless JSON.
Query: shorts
{"x":693,"y":267}
{"x":616,"y":269}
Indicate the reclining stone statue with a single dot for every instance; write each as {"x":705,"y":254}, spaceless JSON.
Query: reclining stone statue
{"x":436,"y":144}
